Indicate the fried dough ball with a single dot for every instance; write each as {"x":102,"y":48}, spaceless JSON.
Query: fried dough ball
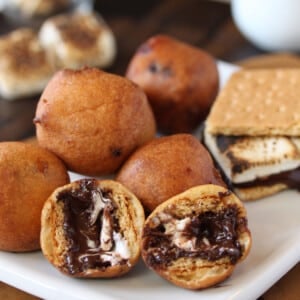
{"x":28,"y":175}
{"x":93,"y":120}
{"x":166,"y":167}
{"x":196,"y":238}
{"x":92,"y":228}
{"x":181,"y":82}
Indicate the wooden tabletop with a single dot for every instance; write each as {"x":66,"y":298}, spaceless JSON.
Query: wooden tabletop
{"x":204,"y":24}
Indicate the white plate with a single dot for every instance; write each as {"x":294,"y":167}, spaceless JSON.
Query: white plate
{"x":275,"y":226}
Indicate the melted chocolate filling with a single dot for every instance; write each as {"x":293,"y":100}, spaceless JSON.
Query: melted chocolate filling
{"x":80,"y":231}
{"x":216,"y":235}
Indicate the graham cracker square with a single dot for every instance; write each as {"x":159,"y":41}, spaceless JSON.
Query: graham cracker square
{"x":258,"y":102}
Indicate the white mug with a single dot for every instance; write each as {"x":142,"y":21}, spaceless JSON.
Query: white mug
{"x":272,"y":25}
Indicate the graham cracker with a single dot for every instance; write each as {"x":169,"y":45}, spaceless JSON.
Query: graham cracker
{"x":274,"y":60}
{"x":258,"y":102}
{"x":260,"y":191}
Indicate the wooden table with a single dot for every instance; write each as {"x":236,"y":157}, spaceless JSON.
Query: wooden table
{"x":204,"y":24}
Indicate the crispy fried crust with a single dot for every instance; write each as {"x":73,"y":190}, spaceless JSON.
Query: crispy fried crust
{"x":180,"y":81}
{"x":198,"y":273}
{"x":28,"y":175}
{"x":93,"y":120}
{"x":130,"y":215}
{"x":166,"y":167}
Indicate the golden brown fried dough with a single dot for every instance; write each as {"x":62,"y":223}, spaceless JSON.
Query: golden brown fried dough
{"x":166,"y":167}
{"x":28,"y":175}
{"x":93,"y":120}
{"x":92,"y":228}
{"x":196,"y":238}
{"x":180,"y":81}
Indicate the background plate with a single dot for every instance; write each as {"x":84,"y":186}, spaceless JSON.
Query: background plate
{"x":273,"y":221}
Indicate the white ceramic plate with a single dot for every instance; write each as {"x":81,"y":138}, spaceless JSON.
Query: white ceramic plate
{"x":275,"y":227}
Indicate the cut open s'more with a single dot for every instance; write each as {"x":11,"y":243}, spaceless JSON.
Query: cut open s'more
{"x":253,"y":131}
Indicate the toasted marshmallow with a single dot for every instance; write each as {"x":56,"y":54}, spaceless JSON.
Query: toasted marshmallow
{"x":77,"y":40}
{"x":257,"y":167}
{"x":245,"y":159}
{"x":24,"y":66}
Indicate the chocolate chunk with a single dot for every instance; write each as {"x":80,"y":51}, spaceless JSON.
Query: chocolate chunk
{"x":155,"y":67}
{"x":116,"y":152}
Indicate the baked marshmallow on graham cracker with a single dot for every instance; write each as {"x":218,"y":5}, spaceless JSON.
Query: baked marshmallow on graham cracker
{"x":24,"y":65}
{"x":253,"y":131}
{"x":77,"y":40}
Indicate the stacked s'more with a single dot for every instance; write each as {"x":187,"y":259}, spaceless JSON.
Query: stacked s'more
{"x":253,"y":131}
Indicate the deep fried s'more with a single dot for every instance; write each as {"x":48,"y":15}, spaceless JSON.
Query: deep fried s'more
{"x":92,"y":228}
{"x":195,"y":239}
{"x":253,"y":131}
